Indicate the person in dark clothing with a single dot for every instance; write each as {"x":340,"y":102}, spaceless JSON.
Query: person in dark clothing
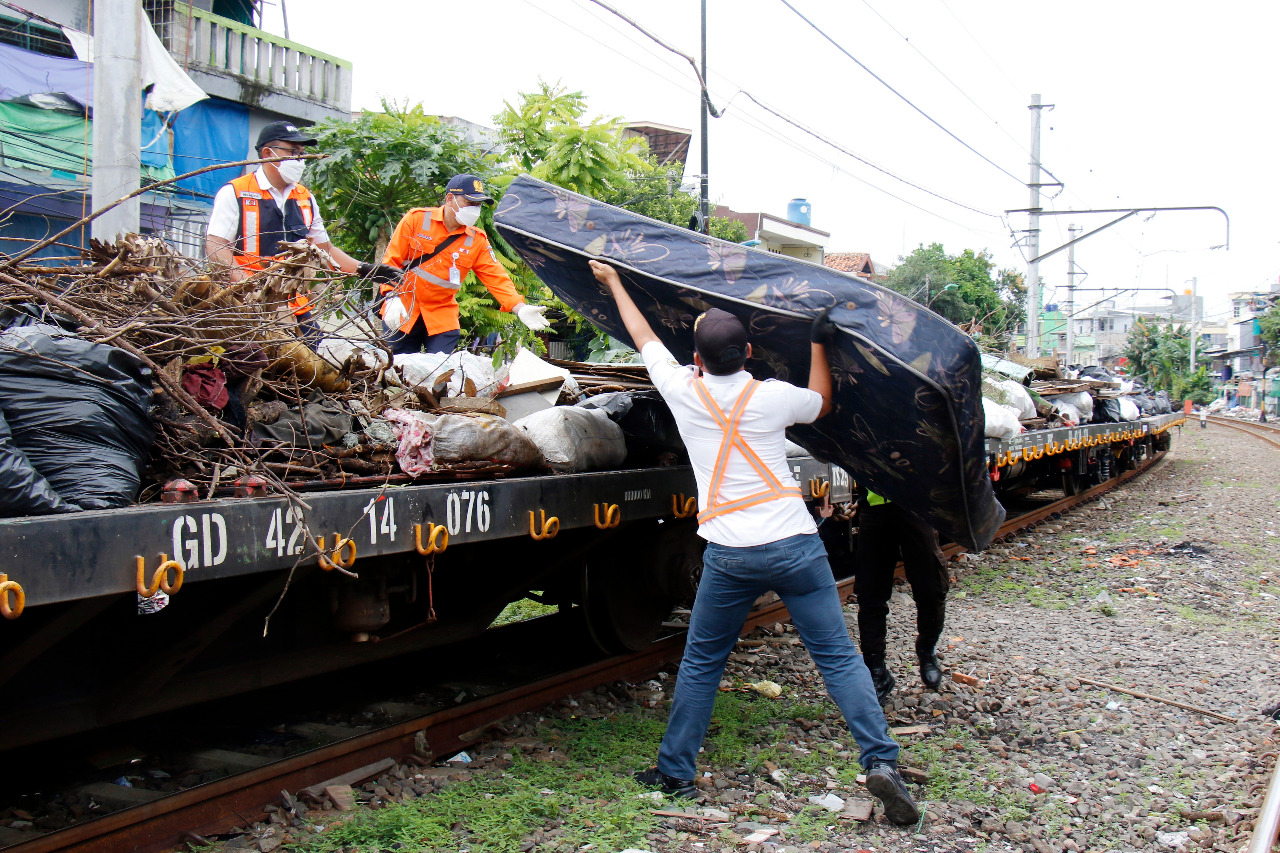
{"x":887,"y":532}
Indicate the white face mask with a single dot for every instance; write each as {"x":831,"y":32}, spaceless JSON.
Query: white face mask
{"x":469,"y":215}
{"x":291,"y":170}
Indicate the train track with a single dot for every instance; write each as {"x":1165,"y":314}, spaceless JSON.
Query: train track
{"x":218,"y":806}
{"x":1270,"y":433}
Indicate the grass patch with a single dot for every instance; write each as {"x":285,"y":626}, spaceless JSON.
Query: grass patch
{"x":523,"y":610}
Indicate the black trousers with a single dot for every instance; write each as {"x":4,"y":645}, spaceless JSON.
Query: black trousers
{"x":887,"y":533}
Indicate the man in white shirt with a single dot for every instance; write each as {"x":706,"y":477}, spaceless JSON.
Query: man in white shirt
{"x":760,"y":537}
{"x":254,"y":213}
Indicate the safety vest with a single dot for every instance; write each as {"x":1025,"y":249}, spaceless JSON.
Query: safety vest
{"x":734,"y":440}
{"x":264,"y":226}
{"x":875,"y":500}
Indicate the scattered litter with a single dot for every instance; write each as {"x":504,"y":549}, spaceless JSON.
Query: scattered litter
{"x":830,"y":802}
{"x":460,"y":758}
{"x":1173,"y":839}
{"x":768,"y":689}
{"x":656,"y":796}
{"x":761,"y":835}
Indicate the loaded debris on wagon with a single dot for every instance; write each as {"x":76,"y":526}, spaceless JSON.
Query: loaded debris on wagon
{"x":135,"y":376}
{"x":1021,"y":395}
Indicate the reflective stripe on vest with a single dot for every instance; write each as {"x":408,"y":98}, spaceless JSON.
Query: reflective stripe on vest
{"x":733,"y":439}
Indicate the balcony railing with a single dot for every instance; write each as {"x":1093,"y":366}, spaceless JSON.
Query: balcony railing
{"x":202,"y":41}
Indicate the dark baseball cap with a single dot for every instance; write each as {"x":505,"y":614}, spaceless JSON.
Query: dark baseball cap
{"x":283,"y":131}
{"x":469,"y":187}
{"x":721,"y":341}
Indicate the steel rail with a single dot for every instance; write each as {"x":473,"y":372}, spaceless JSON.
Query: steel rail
{"x":1266,"y":829}
{"x":1254,"y":429}
{"x":218,"y":806}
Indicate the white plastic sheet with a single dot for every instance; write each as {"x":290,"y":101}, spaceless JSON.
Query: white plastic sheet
{"x":423,"y":368}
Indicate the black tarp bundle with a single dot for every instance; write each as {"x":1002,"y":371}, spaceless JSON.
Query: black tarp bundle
{"x":77,"y":414}
{"x":908,"y":421}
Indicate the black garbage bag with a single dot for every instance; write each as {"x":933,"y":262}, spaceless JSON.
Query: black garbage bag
{"x":22,"y":490}
{"x":79,"y":413}
{"x":647,"y":424}
{"x":1163,"y":407}
{"x":1107,"y":411}
{"x":1146,"y":405}
{"x":1092,"y":371}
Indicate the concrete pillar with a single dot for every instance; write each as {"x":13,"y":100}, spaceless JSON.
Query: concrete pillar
{"x":117,"y":115}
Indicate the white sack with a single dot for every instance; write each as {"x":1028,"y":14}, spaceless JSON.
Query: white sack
{"x":1066,"y":412}
{"x":481,"y":438}
{"x":1016,"y":397}
{"x":1129,"y":409}
{"x":1002,"y":421}
{"x":527,"y":367}
{"x":573,"y":439}
{"x":1081,"y":401}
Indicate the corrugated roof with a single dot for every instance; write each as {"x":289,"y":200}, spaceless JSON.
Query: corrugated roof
{"x":854,"y":262}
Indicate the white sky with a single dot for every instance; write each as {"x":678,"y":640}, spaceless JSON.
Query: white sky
{"x":1157,"y":104}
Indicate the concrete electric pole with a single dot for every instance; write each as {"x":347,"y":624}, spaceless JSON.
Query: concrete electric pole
{"x":1071,"y":295}
{"x":117,"y":115}
{"x":1033,"y":235}
{"x":1193,"y":327}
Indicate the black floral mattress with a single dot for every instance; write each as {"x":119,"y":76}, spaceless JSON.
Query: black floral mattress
{"x":908,"y":420}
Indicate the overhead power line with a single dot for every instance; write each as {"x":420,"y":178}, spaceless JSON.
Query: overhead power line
{"x":864,"y":160}
{"x":901,"y":96}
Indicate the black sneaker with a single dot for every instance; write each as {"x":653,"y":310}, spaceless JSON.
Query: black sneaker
{"x":885,"y":783}
{"x":669,"y":785}
{"x":883,"y":681}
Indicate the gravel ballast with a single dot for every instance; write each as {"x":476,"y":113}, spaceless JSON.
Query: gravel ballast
{"x":1167,"y":587}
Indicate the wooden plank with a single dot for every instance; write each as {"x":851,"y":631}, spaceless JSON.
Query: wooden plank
{"x":550,"y":384}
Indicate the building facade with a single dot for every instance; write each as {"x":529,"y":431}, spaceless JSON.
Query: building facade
{"x":252,"y":77}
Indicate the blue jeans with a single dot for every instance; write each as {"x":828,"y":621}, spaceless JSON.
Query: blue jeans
{"x":732,"y":579}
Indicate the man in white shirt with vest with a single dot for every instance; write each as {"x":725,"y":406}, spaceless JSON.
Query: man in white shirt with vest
{"x":760,"y":537}
{"x":254,"y":213}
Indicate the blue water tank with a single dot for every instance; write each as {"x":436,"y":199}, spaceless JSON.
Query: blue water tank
{"x":798,"y":210}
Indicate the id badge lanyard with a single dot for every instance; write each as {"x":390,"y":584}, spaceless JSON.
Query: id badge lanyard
{"x":455,"y":277}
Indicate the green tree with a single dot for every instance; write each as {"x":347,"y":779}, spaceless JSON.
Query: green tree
{"x":1160,"y":355}
{"x":382,"y":164}
{"x":965,"y":289}
{"x":545,"y":135}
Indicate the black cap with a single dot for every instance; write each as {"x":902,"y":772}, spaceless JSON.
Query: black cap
{"x":283,"y":131}
{"x":721,"y":341}
{"x":469,"y":187}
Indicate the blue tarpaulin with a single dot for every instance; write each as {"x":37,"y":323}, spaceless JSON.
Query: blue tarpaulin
{"x":24,"y":72}
{"x":211,"y":131}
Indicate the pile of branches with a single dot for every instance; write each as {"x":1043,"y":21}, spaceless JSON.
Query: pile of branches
{"x":167,"y":310}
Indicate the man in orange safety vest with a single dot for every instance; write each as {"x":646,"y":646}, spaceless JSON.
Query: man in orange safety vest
{"x":436,"y":247}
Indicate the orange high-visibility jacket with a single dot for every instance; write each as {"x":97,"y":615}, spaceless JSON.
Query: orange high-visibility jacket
{"x":264,"y":226}
{"x":427,"y":288}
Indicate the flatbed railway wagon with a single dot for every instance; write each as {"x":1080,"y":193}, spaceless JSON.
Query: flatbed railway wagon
{"x":371,"y":574}
{"x":1076,"y":458}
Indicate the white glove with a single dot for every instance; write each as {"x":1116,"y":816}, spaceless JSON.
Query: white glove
{"x":396,"y":313}
{"x":531,"y":316}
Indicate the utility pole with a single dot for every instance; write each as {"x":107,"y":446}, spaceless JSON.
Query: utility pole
{"x":117,"y":115}
{"x":1033,"y":235}
{"x":1071,"y":295}
{"x":704,"y":199}
{"x":1193,"y":325}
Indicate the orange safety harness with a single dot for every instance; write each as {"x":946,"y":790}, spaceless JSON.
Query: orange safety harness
{"x":733,"y":439}
{"x":249,"y":196}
